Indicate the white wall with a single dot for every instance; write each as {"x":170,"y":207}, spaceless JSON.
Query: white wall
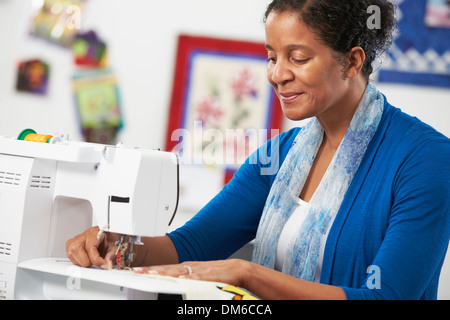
{"x":141,"y":37}
{"x":142,"y":44}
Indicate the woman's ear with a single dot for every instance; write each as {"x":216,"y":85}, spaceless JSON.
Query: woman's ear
{"x":355,"y":62}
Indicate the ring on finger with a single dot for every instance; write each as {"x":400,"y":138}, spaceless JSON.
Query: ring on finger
{"x":189,"y":269}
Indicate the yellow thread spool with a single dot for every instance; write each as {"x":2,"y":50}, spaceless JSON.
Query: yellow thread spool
{"x":31,"y":135}
{"x":38,"y":137}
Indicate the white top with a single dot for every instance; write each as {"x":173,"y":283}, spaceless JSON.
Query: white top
{"x":290,"y":230}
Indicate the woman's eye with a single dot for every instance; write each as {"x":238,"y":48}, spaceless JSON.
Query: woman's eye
{"x":300,"y":61}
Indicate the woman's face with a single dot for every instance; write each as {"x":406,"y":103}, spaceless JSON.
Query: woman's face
{"x":306,"y":76}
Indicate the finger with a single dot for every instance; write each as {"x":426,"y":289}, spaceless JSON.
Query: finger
{"x":145,"y":270}
{"x":79,"y":257}
{"x":92,"y":248}
{"x":109,"y":257}
{"x":95,"y":258}
{"x":76,"y":253}
{"x":168,"y":270}
{"x":191,"y":276}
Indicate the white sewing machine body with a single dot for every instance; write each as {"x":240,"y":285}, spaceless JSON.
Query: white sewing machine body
{"x":50,"y":192}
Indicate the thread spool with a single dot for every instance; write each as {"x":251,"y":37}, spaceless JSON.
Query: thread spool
{"x":31,"y":135}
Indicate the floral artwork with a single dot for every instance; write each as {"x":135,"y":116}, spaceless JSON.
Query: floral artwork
{"x":98,"y":104}
{"x":420,"y":53}
{"x":89,"y":50}
{"x":227,"y":93}
{"x":438,"y":13}
{"x":33,"y":76}
{"x":222,"y":106}
{"x":57,"y":20}
{"x":244,"y":84}
{"x":209,"y":111}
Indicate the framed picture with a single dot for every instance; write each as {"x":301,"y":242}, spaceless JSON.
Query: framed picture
{"x":438,"y":14}
{"x":420,"y":53}
{"x":57,"y":20}
{"x":222,"y":106}
{"x":221,"y":110}
{"x":32,"y":76}
{"x":98,"y":102}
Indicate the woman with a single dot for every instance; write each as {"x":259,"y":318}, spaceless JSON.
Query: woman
{"x":360,"y":206}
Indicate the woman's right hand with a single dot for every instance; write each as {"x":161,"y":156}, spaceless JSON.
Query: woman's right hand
{"x":85,"y":249}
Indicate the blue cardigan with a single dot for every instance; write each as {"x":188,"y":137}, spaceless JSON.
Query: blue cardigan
{"x":391,"y":233}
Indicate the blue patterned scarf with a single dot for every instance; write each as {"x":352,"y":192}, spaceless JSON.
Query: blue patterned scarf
{"x":303,"y":253}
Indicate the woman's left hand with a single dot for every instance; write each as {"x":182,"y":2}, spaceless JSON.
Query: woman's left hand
{"x":230,"y":271}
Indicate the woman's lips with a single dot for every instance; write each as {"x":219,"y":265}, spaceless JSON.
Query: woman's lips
{"x":288,"y":97}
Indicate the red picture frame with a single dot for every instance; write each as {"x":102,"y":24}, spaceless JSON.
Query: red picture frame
{"x":188,"y":46}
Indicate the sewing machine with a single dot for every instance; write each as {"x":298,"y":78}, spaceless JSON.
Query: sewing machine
{"x":52,"y":189}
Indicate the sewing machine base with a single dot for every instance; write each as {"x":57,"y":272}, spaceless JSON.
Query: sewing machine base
{"x":59,"y":279}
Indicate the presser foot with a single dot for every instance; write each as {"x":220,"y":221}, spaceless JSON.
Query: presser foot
{"x":123,"y":259}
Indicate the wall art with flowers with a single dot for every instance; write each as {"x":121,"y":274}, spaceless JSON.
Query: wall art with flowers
{"x":221,"y":101}
{"x":222,"y":109}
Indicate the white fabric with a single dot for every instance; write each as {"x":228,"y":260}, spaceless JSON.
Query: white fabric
{"x":290,"y":229}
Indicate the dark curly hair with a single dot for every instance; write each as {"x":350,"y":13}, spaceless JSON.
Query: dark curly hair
{"x":342,"y":24}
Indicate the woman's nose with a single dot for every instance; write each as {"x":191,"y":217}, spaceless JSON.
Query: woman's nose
{"x":280,"y":72}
